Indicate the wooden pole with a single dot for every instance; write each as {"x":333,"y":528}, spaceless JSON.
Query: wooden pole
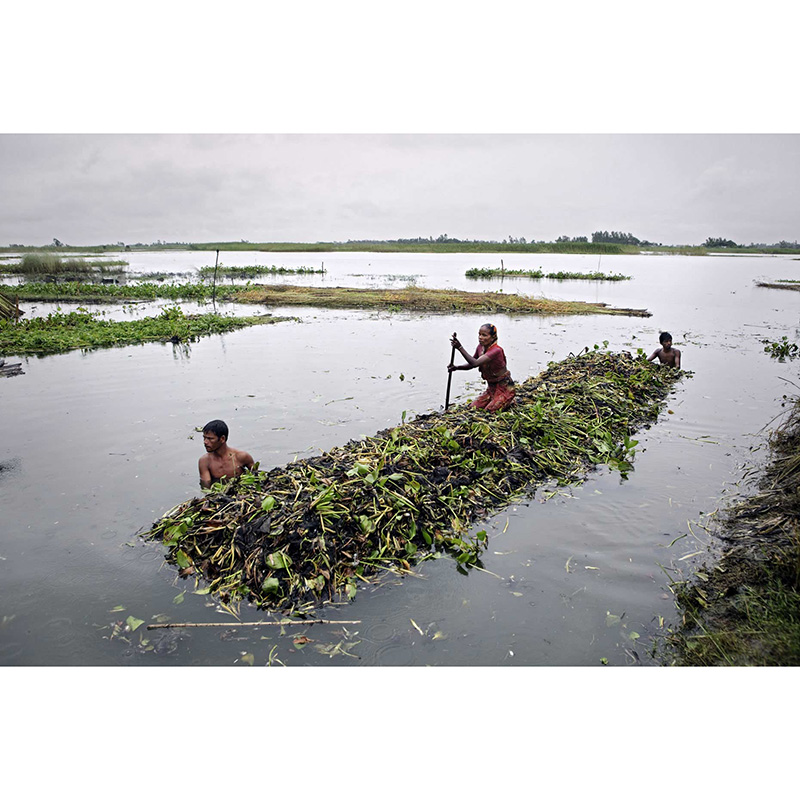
{"x":450,"y":375}
{"x":214,"y":289}
{"x":246,"y":624}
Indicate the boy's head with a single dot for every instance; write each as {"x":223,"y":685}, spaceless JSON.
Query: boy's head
{"x":666,"y":339}
{"x":215,"y":433}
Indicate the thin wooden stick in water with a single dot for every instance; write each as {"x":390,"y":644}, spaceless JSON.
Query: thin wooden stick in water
{"x":245,"y":624}
{"x":450,"y":375}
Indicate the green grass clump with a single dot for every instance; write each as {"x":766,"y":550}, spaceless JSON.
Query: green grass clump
{"x":58,"y":333}
{"x":296,"y":537}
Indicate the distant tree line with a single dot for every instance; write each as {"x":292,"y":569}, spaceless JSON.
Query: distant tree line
{"x":615,"y":237}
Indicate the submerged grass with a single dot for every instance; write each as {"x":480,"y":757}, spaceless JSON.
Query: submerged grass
{"x":746,"y":610}
{"x":297,"y":537}
{"x":58,"y":333}
{"x":254,"y":271}
{"x":478,"y":272}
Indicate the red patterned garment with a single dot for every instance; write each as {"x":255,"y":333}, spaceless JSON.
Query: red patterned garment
{"x":499,"y":393}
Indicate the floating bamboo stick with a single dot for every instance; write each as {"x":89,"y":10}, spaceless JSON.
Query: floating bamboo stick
{"x":246,"y":624}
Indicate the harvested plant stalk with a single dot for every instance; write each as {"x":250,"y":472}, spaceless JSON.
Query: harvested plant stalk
{"x":295,"y":537}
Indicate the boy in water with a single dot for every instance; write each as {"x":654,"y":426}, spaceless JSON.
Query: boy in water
{"x":220,"y":460}
{"x":667,"y":354}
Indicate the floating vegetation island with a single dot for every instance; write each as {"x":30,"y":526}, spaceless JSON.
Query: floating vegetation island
{"x":407,"y":299}
{"x":477,"y":272}
{"x":58,"y":333}
{"x":298,"y":537}
{"x":256,"y":270}
{"x":428,"y":300}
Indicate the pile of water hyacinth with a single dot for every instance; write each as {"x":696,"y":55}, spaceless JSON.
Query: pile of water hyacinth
{"x":296,"y":537}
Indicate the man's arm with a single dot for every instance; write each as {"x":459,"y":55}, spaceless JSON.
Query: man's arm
{"x":677,"y":358}
{"x":205,"y":473}
{"x":655,"y":354}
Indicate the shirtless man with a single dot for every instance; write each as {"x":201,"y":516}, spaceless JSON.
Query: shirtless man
{"x":220,"y":460}
{"x":667,"y":354}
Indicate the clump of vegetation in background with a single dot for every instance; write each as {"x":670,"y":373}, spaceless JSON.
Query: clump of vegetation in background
{"x":296,"y":537}
{"x":249,"y":272}
{"x":58,"y":333}
{"x":538,"y":273}
{"x":52,"y":265}
{"x":746,"y":609}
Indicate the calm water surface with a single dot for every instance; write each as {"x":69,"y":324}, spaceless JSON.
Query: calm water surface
{"x":103,"y":443}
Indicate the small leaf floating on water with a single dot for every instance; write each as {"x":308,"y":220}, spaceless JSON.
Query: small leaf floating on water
{"x":612,"y":619}
{"x":248,"y":658}
{"x":421,"y":633}
{"x":116,"y":609}
{"x":133,"y":623}
{"x":178,"y":599}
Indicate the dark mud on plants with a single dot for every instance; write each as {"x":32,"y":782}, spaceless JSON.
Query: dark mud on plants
{"x":296,"y":538}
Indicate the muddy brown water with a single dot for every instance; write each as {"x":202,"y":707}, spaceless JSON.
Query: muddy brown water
{"x":98,"y":445}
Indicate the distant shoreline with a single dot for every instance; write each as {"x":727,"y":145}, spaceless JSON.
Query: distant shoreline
{"x":499,"y":248}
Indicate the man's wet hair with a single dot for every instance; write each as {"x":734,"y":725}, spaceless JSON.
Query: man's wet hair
{"x":664,"y":336}
{"x":217,"y":427}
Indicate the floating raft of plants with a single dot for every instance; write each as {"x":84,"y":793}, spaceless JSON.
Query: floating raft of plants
{"x":428,"y":300}
{"x":536,"y":274}
{"x":58,"y":333}
{"x":416,"y":299}
{"x":296,"y":537}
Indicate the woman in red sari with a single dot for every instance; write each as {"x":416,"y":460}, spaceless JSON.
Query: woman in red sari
{"x":490,"y":359}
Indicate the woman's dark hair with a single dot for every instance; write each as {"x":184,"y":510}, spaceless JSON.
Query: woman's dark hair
{"x":492,"y":329}
{"x":217,"y":427}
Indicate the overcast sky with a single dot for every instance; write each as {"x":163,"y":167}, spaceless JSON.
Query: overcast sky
{"x":674,"y":189}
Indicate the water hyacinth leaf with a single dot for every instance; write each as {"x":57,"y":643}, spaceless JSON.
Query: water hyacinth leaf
{"x":271,"y":585}
{"x":278,"y":560}
{"x":179,"y":598}
{"x":612,"y":619}
{"x":133,"y":623}
{"x":116,"y":609}
{"x":249,"y":659}
{"x":268,"y":503}
{"x":182,"y":559}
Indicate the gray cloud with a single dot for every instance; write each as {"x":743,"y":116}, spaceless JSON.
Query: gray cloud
{"x":307,"y":187}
